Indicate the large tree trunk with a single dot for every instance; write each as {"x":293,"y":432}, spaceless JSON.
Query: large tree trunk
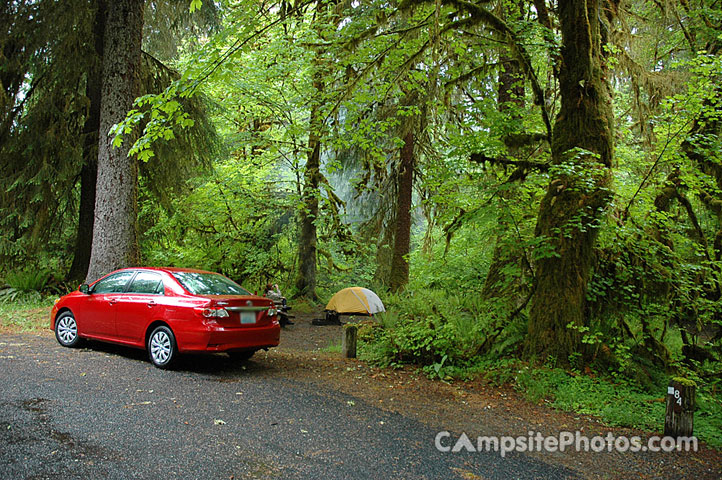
{"x":89,"y":170}
{"x":86,"y":218}
{"x":115,"y":232}
{"x":399,"y":276}
{"x":307,"y":248}
{"x":579,"y":189}
{"x":308,"y":215}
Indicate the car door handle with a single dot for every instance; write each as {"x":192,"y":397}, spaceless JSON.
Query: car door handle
{"x":113,"y":301}
{"x":151,"y":304}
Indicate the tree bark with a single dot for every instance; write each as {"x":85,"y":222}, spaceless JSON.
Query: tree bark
{"x":399,"y":277}
{"x":86,"y":219}
{"x":308,"y":215}
{"x":578,"y":192}
{"x":89,"y":170}
{"x":115,"y":232}
{"x":307,"y":248}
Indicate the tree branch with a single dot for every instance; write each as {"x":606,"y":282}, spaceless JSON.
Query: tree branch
{"x":484,"y":16}
{"x":525,"y":164}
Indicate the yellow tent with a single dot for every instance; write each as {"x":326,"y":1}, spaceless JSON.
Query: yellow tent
{"x":355,"y":301}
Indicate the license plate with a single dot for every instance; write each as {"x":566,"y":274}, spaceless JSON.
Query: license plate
{"x":248,"y":317}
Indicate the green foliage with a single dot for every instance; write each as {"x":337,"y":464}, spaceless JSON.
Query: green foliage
{"x":12,"y":295}
{"x":443,"y":333}
{"x":46,"y":54}
{"x":615,"y":402}
{"x":332,"y":348}
{"x":452,"y":270}
{"x":303,"y":306}
{"x":28,"y":280}
{"x":24,"y":286}
{"x":195,"y":5}
{"x":345,"y":264}
{"x":234,"y":221}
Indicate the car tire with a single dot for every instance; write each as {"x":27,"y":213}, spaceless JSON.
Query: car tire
{"x":162,"y":347}
{"x":241,"y":356}
{"x":66,"y":330}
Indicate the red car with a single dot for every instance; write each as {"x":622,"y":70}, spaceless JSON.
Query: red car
{"x":168,"y":311}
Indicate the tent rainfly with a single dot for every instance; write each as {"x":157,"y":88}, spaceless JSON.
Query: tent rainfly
{"x":355,"y":301}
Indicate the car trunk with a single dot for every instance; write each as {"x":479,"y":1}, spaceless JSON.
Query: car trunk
{"x":246,"y":311}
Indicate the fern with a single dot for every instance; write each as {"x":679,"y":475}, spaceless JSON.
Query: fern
{"x":28,"y":280}
{"x":15,"y":295}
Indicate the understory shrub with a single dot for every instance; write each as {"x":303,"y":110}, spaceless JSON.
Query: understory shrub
{"x":440,"y":332}
{"x":24,"y":285}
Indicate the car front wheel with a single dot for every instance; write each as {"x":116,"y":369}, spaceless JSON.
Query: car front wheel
{"x":66,"y":330}
{"x":162,"y":348}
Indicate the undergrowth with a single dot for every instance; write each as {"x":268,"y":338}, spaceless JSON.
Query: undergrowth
{"x":27,"y":285}
{"x":616,"y":402}
{"x":454,"y":337}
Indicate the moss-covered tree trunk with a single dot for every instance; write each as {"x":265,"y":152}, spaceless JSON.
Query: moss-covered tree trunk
{"x":115,"y":230}
{"x":307,"y":248}
{"x":399,"y":275}
{"x":89,"y":170}
{"x":579,"y":188}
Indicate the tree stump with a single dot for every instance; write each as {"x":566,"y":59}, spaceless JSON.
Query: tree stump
{"x":348,"y":341}
{"x":679,"y":418}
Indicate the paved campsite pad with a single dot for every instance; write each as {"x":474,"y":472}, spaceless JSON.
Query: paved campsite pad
{"x":294,"y":412}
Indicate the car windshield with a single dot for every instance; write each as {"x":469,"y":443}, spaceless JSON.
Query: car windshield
{"x":209,"y":284}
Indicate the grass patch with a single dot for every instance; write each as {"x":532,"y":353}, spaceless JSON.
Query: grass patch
{"x":25,"y":315}
{"x":332,"y":348}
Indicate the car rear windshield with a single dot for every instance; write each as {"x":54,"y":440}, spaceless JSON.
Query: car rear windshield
{"x":209,"y":284}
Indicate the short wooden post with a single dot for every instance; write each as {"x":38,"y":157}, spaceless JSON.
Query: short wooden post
{"x":348,"y":341}
{"x":679,"y":418}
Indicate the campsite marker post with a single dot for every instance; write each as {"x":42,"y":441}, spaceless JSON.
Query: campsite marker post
{"x":679,"y":417}
{"x":348,"y":341}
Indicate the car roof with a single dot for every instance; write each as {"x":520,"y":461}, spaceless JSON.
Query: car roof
{"x":177,"y":269}
{"x":164,"y":269}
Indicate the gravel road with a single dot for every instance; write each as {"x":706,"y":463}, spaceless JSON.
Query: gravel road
{"x":105,"y":412}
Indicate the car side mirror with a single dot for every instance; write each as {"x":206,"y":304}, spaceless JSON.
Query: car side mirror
{"x":84,"y":288}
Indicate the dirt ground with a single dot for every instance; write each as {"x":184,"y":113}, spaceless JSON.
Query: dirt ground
{"x":474,"y":407}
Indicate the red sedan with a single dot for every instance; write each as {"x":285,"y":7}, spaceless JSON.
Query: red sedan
{"x":167,"y":311}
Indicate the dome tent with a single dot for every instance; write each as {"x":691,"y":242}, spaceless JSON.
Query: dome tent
{"x":355,"y":301}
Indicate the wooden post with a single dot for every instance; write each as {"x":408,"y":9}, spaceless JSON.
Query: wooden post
{"x":348,"y":341}
{"x":679,"y":418}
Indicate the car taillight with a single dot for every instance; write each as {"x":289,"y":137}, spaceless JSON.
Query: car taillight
{"x":213,"y":312}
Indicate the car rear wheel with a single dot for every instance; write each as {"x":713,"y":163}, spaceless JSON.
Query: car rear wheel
{"x":241,"y":356}
{"x":66,"y":330}
{"x":162,"y":348}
